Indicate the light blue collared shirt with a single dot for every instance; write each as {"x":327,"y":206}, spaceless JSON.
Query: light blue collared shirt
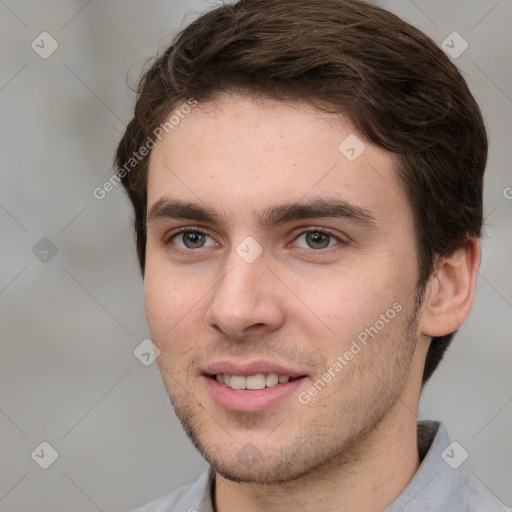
{"x":439,"y":485}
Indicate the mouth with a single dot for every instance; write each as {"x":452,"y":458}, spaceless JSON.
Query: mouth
{"x":253,"y":382}
{"x":254,"y":387}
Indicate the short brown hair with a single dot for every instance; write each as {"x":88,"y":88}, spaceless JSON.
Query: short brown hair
{"x":392,"y":82}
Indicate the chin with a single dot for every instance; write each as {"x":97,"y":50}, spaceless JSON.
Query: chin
{"x":266,"y":474}
{"x":266,"y":467}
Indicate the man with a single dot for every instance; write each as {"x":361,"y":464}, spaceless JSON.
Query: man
{"x":307,"y":186}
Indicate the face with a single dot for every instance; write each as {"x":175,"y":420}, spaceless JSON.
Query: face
{"x":279,"y":285}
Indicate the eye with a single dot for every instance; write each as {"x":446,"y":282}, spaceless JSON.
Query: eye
{"x":190,"y":239}
{"x":318,"y":239}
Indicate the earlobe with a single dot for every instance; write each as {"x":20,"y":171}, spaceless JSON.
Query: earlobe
{"x":450,"y":291}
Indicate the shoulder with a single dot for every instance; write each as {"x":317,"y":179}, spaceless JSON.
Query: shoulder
{"x":167,"y":503}
{"x":440,"y":485}
{"x":194,"y":497}
{"x":481,"y":499}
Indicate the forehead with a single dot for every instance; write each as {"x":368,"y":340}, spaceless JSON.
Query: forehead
{"x":244,"y":154}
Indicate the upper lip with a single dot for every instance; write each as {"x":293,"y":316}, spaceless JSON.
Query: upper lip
{"x":252,"y":368}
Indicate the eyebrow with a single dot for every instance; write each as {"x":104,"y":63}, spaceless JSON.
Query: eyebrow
{"x":166,"y":208}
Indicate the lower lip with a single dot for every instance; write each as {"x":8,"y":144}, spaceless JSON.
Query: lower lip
{"x":250,"y":401}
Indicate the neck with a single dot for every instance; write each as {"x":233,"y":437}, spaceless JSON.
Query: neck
{"x":376,"y":469}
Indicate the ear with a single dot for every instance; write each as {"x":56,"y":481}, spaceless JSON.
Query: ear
{"x":450,"y":291}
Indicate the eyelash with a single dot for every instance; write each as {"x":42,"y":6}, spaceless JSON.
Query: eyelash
{"x":168,"y":239}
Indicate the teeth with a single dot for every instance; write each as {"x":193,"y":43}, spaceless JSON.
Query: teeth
{"x":237,"y":382}
{"x":253,"y":382}
{"x":271,"y":380}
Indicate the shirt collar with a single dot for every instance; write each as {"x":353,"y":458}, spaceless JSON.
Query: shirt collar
{"x":439,"y":484}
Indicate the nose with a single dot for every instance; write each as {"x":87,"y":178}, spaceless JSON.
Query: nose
{"x":246,"y":301}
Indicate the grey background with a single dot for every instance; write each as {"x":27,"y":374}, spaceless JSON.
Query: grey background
{"x":69,"y":325}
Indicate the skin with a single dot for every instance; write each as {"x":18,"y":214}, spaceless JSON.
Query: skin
{"x":354,"y":443}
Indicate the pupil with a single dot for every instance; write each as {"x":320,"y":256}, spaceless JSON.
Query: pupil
{"x":318,"y":238}
{"x":194,"y":239}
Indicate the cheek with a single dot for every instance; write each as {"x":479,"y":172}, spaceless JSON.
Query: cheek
{"x":345,"y":307}
{"x":165,"y":302}
{"x":175,"y":309}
